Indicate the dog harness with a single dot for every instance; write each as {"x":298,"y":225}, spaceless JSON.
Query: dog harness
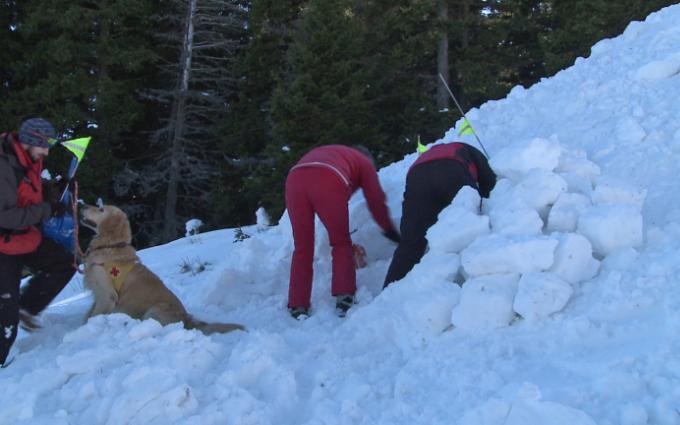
{"x":117,"y":273}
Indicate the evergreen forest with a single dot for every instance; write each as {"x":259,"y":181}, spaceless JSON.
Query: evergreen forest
{"x":198,"y":108}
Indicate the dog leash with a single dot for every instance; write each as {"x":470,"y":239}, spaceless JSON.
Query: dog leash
{"x":78,"y":254}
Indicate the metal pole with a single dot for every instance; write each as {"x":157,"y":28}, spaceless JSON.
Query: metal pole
{"x":441,"y":77}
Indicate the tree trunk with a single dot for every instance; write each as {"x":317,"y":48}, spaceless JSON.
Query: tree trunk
{"x":442,"y":54}
{"x":178,"y":125}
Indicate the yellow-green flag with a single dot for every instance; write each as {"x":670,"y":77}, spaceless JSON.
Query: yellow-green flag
{"x":77,"y":146}
{"x":466,"y":129}
{"x":421,"y":148}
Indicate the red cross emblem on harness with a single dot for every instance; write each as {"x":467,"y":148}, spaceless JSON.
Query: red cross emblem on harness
{"x":114,"y":272}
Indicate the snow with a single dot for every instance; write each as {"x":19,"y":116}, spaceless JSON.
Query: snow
{"x":557,"y":303}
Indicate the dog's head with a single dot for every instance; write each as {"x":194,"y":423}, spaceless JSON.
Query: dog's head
{"x":107,"y":222}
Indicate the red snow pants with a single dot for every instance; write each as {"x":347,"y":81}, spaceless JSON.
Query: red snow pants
{"x":319,"y":190}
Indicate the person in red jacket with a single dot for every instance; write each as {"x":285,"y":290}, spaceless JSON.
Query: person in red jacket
{"x":322,"y":183}
{"x":22,"y":208}
{"x":431,"y":184}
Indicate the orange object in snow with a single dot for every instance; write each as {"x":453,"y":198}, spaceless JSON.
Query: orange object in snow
{"x":359,"y":256}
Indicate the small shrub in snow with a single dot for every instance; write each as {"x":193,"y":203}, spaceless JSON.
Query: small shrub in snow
{"x":240,"y":235}
{"x":194,"y":266}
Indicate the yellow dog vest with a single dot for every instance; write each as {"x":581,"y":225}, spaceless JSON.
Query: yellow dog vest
{"x":117,"y":273}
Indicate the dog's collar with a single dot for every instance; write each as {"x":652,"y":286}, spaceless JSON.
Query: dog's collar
{"x":115,"y":245}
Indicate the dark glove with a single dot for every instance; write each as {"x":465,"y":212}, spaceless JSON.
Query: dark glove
{"x":392,"y":235}
{"x":58,"y":209}
{"x":52,"y":190}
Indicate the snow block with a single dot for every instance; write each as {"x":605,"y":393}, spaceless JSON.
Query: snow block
{"x":563,"y":216}
{"x":495,"y":254}
{"x":486,"y":302}
{"x":436,"y":266}
{"x":457,"y":226}
{"x":515,"y":218}
{"x":613,"y":191}
{"x":540,"y":189}
{"x":546,"y":413}
{"x":574,"y":262}
{"x":515,"y":161}
{"x":540,"y":295}
{"x":576,"y":162}
{"x":609,"y":227}
{"x":577,"y":184}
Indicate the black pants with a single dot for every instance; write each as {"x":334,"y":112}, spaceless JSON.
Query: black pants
{"x":430,"y":187}
{"x":51,"y":266}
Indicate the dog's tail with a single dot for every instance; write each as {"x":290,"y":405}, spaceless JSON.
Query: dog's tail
{"x":211,"y":328}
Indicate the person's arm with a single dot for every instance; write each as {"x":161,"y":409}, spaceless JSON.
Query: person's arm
{"x":486,"y":178}
{"x":375,"y":199}
{"x":12,"y":216}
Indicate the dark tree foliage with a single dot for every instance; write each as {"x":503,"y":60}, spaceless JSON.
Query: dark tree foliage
{"x":205,"y":120}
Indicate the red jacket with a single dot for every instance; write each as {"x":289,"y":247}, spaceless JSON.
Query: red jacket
{"x":357,"y":171}
{"x":21,"y":202}
{"x":474,"y":161}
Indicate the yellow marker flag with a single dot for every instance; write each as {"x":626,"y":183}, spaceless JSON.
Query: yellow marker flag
{"x":466,"y":129}
{"x":77,"y":146}
{"x":421,"y":148}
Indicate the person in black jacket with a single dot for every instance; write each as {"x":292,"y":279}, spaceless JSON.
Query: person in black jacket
{"x":431,"y":184}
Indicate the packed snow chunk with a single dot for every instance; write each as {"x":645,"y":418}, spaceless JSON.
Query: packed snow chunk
{"x":517,"y":160}
{"x":541,"y":294}
{"x":515,"y":218}
{"x":429,"y":310}
{"x":546,"y":413}
{"x":192,"y":227}
{"x":659,"y":70}
{"x":540,"y":189}
{"x":486,"y":302}
{"x":634,"y":414}
{"x":609,"y":227}
{"x":509,"y":213}
{"x":564,"y":215}
{"x":574,"y":262}
{"x":576,"y":162}
{"x":437,"y":266}
{"x":629,"y":130}
{"x":467,"y":199}
{"x":494,"y":254}
{"x":577,"y":183}
{"x":612,"y":191}
{"x":527,"y":407}
{"x":457,"y":226}
{"x":262,"y":219}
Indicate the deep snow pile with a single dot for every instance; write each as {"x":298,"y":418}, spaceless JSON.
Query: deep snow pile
{"x":568,"y":311}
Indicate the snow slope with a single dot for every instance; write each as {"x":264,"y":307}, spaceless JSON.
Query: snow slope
{"x":568,"y":313}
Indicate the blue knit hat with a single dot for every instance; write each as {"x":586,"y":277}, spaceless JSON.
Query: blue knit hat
{"x":37,"y":132}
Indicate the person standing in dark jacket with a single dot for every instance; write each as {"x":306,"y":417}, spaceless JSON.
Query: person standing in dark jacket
{"x":322,"y":183}
{"x":22,"y":208}
{"x":431,"y":184}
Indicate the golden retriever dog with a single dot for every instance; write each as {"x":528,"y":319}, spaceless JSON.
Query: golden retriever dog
{"x":119,"y":281}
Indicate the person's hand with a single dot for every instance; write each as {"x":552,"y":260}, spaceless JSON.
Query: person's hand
{"x":392,"y":235}
{"x":58,"y":209}
{"x":52,"y":190}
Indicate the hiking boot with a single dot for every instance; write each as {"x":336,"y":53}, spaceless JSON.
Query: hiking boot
{"x":342,"y":304}
{"x":299,"y":313}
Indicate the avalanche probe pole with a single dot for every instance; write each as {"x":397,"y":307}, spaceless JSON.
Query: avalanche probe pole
{"x":463,"y":114}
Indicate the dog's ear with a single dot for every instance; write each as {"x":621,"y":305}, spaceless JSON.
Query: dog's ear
{"x":115,"y":227}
